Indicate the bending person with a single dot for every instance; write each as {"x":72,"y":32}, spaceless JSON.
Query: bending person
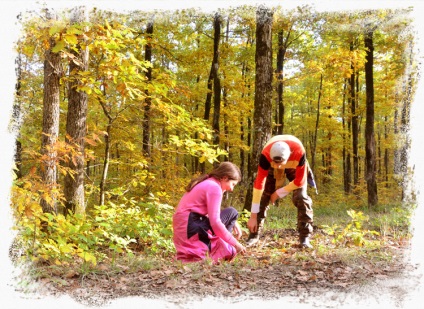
{"x":282,"y":157}
{"x":201,"y":229}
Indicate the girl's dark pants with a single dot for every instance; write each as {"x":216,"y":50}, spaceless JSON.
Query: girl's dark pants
{"x":198,"y":224}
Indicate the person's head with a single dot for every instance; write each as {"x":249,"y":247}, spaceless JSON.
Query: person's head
{"x":280,"y":152}
{"x":226,"y":172}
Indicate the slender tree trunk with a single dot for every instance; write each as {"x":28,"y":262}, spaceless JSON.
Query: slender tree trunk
{"x":51,"y":100}
{"x":196,"y":164}
{"x":315,"y":137}
{"x":262,"y":114}
{"x":245,"y":125}
{"x":404,"y":130}
{"x":106,"y":159}
{"x":283,"y":45}
{"x":147,"y":102}
{"x":280,"y":83}
{"x":210,"y":83}
{"x":216,"y":80}
{"x":355,"y":124}
{"x":386,"y":154}
{"x":208,"y":102}
{"x":346,"y":149}
{"x":369,"y":127}
{"x":17,"y":119}
{"x":225,"y":101}
{"x":76,"y":124}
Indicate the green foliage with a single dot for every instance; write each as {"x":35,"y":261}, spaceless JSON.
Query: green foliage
{"x":393,"y":220}
{"x":353,"y":233}
{"x":148,"y":223}
{"x":108,"y":231}
{"x":242,"y":220}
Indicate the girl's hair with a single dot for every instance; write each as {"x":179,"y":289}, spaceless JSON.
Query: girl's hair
{"x":224,"y":169}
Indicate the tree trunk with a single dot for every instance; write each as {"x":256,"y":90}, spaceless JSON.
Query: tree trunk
{"x":102,"y":186}
{"x":216,"y":80}
{"x":315,"y":137}
{"x":405,"y":119}
{"x":355,"y":124}
{"x":51,"y":100}
{"x":369,"y":127}
{"x":16,"y":118}
{"x":106,"y":160}
{"x":346,"y":149}
{"x":76,"y":125}
{"x":208,"y":102}
{"x":212,"y":80}
{"x":262,"y":114}
{"x":386,"y":153}
{"x":225,"y":101}
{"x":280,"y":83}
{"x":245,"y":125}
{"x":147,"y":101}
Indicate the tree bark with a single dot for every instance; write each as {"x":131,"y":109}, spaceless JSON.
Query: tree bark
{"x":51,"y":100}
{"x":76,"y":124}
{"x":16,"y":116}
{"x":347,"y":175}
{"x":147,"y":102}
{"x":262,"y":114}
{"x":405,"y":120}
{"x":369,"y":127}
{"x":225,"y":101}
{"x":106,"y":160}
{"x":280,"y":66}
{"x":315,"y":136}
{"x":216,"y":80}
{"x":355,"y":124}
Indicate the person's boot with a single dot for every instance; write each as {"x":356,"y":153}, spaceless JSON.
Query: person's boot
{"x":304,"y":242}
{"x":252,"y":239}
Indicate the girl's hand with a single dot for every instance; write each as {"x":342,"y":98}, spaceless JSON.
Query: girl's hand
{"x":240,"y":248}
{"x":237,"y":231}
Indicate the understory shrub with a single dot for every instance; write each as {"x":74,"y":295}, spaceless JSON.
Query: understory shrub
{"x":104,"y":232}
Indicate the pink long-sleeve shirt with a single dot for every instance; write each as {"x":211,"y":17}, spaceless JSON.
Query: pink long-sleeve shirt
{"x":204,"y":199}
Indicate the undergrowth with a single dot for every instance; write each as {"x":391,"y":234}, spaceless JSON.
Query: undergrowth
{"x":137,"y":236}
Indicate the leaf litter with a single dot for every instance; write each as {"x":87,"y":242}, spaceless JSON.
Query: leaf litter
{"x":275,"y":268}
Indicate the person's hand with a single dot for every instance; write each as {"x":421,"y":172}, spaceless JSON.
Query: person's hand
{"x":252,"y":224}
{"x":240,"y":248}
{"x":274,"y":197}
{"x":279,"y":193}
{"x":237,"y":231}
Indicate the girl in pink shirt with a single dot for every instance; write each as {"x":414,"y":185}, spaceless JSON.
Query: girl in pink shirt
{"x":201,"y":229}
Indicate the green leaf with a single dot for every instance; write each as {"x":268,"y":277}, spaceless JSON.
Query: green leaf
{"x":60,"y":45}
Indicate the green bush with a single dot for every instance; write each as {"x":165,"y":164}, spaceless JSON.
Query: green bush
{"x":106,"y":231}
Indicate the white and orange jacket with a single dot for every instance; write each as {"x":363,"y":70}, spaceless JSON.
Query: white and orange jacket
{"x":296,"y":160}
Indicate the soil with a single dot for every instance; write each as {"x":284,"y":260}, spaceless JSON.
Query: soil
{"x":297,"y":277}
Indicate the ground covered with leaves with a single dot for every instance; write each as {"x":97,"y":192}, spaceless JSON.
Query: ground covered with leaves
{"x":275,"y":268}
